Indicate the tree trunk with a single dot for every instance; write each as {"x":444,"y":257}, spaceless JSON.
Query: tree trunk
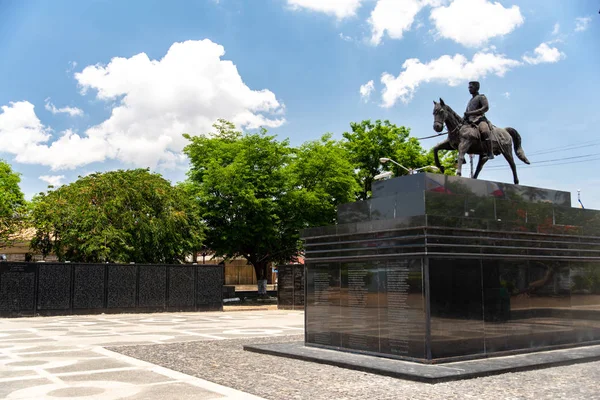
{"x":261,"y":278}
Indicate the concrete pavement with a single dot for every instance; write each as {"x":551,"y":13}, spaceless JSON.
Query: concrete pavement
{"x":65,"y":357}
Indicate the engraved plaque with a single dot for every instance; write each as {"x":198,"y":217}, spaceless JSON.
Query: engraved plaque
{"x":54,"y":286}
{"x":152,"y":287}
{"x":181,"y":286}
{"x":121,"y":286}
{"x":210,"y":287}
{"x":359,"y":306}
{"x":298,"y":286}
{"x":323,"y":322}
{"x":397,"y":307}
{"x":88,"y":291}
{"x":402,"y":313}
{"x":17,"y":288}
{"x":285,"y":286}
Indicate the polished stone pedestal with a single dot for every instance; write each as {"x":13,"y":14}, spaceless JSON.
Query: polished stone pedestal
{"x":430,"y":373}
{"x":290,"y":287}
{"x":436,"y":268}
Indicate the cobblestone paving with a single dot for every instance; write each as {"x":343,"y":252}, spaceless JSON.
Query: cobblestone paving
{"x":226,"y":363}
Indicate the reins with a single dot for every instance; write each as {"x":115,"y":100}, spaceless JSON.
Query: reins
{"x":439,"y":134}
{"x":432,"y":136}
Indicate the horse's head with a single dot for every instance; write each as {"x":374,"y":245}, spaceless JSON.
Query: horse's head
{"x":439,"y":115}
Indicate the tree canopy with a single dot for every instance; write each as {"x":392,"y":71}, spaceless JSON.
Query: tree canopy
{"x":323,"y":174}
{"x":13,"y":206}
{"x":119,"y":216}
{"x":256,"y":193}
{"x":368,"y":142}
{"x":252,"y":192}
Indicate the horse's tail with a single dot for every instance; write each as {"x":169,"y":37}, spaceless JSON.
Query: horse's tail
{"x":517,"y":143}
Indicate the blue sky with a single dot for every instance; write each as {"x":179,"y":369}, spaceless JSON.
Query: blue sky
{"x":99,"y":84}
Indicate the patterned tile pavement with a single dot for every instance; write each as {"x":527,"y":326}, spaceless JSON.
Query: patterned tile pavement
{"x":65,"y":357}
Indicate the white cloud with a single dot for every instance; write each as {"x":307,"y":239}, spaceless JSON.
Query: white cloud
{"x":23,"y":135}
{"x":20,"y":128}
{"x":544,"y":54}
{"x":72,"y":111}
{"x":581,"y":23}
{"x":473,"y":22}
{"x":345,"y":38}
{"x":186,"y":91}
{"x":157,"y":100}
{"x":556,"y":29}
{"x":72,"y":65}
{"x":506,"y":94}
{"x":394,"y":17}
{"x":451,"y":70}
{"x":53,"y":180}
{"x":340,"y":8}
{"x":366,"y":90}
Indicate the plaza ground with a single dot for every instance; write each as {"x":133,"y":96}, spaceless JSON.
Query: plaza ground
{"x":200,"y":356}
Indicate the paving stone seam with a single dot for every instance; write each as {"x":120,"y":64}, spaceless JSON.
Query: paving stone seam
{"x":20,"y":378}
{"x":51,"y":377}
{"x":96,"y":371}
{"x":204,"y":335}
{"x":229,"y":393}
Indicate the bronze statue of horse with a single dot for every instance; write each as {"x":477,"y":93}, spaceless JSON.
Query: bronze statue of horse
{"x":466,"y":139}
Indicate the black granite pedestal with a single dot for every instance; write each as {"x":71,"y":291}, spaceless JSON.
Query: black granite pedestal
{"x":430,"y":373}
{"x":290,"y":287}
{"x":436,"y":268}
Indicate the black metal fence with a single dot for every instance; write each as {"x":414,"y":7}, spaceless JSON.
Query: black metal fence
{"x":28,"y":289}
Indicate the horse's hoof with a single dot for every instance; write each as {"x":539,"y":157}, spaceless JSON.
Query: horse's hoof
{"x":516,"y":181}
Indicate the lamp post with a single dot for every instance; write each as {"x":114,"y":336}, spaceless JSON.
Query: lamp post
{"x":422,"y":168}
{"x":410,"y":171}
{"x":385,"y":174}
{"x":383,"y":160}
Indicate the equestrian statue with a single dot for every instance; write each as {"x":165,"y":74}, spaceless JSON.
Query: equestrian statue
{"x":474,"y":134}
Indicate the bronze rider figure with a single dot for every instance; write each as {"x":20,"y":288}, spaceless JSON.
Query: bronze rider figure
{"x":475,"y":116}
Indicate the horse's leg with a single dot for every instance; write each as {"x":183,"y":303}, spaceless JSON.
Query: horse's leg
{"x":463,"y":147}
{"x":511,"y":161}
{"x":445,"y":145}
{"x":480,"y":163}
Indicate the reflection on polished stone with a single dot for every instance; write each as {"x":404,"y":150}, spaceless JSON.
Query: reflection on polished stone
{"x":436,"y":194}
{"x":521,"y":304}
{"x":367,"y":306}
{"x":435,"y":267}
{"x":477,"y":306}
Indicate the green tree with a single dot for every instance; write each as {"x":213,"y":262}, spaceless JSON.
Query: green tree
{"x":368,"y":142}
{"x":256,"y":193}
{"x":13,"y":207}
{"x":447,"y":159}
{"x":119,"y":216}
{"x":323,"y":176}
